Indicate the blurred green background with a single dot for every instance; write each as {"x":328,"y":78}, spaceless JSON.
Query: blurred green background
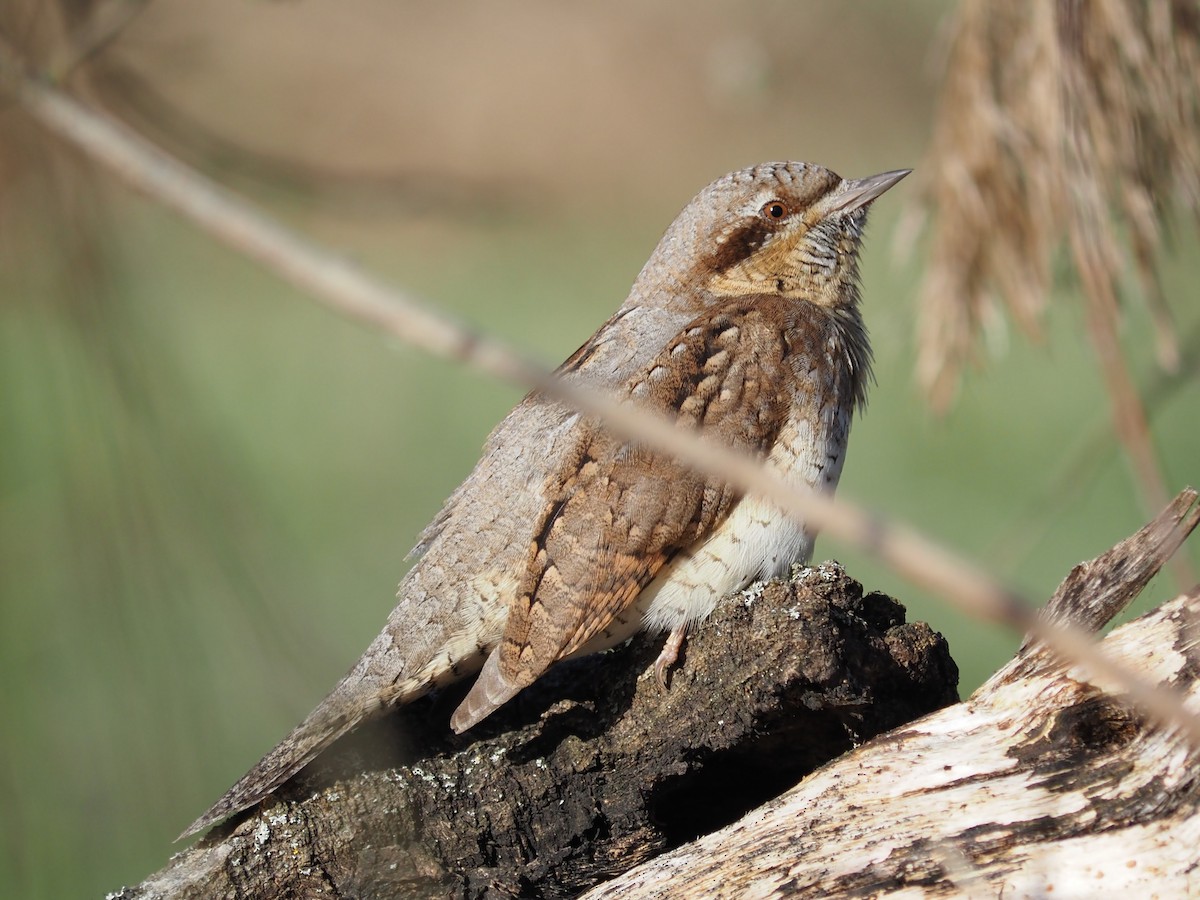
{"x":209,"y":484}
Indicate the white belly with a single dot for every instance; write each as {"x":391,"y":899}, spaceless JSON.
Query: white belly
{"x":755,"y":541}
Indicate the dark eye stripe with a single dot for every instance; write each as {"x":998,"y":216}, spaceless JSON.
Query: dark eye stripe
{"x":740,"y":245}
{"x":748,"y":238}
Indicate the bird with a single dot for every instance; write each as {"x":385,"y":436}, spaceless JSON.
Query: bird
{"x":744,"y":325}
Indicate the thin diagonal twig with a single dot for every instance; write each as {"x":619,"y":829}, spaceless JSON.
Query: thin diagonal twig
{"x":352,"y":292}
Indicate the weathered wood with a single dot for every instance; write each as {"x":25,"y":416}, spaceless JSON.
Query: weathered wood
{"x":593,"y":769}
{"x":1038,"y":785}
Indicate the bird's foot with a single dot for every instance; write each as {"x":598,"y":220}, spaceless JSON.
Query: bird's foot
{"x":669,"y":655}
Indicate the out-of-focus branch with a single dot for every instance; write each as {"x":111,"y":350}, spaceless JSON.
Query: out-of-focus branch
{"x":352,"y":292}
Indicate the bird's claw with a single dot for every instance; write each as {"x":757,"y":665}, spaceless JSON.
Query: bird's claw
{"x":669,"y":655}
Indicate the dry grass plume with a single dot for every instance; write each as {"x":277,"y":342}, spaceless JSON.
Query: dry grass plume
{"x":1070,"y":125}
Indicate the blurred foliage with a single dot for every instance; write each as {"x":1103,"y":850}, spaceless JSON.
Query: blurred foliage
{"x":208,"y":485}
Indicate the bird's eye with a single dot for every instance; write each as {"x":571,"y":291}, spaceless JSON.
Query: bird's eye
{"x":775,"y":209}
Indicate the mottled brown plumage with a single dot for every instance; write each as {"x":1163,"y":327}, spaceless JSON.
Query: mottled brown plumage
{"x":744,"y":324}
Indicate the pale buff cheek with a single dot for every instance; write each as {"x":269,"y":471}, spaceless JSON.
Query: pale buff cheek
{"x":813,"y":265}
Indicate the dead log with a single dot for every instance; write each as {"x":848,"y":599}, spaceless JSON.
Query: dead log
{"x":1038,"y":785}
{"x":593,"y":769}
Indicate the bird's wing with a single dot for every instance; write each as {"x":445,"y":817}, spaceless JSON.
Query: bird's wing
{"x":617,"y":511}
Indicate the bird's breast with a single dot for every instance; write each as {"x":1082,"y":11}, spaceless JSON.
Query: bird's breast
{"x":754,"y":541}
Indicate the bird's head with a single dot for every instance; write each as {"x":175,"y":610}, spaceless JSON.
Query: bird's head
{"x":787,"y":228}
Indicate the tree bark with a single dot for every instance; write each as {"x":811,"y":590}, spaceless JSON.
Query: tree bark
{"x":1039,"y":783}
{"x":593,"y":769}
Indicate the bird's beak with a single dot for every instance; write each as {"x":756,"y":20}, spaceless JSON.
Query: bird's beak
{"x":857,"y":194}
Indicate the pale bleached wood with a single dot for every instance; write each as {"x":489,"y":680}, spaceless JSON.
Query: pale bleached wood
{"x":1041,"y":787}
{"x":1038,"y":785}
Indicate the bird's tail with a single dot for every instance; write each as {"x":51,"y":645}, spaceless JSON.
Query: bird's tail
{"x":337,"y":714}
{"x":436,"y":651}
